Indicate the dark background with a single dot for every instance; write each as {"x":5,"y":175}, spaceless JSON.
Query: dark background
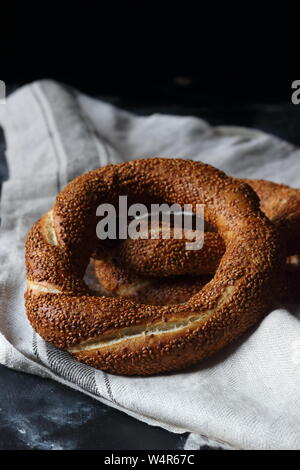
{"x":180,"y":84}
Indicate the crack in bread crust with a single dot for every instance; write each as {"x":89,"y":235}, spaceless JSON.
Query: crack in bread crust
{"x":49,"y":228}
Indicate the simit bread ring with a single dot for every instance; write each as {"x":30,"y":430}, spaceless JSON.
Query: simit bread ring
{"x":118,"y":335}
{"x":126,"y":268}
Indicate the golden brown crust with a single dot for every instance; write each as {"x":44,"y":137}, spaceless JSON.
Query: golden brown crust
{"x":281,"y":204}
{"x":119,"y":335}
{"x":128,"y":264}
{"x":162,"y":257}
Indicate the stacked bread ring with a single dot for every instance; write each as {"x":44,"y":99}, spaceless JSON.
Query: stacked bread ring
{"x":136,"y":268}
{"x":123,"y":336}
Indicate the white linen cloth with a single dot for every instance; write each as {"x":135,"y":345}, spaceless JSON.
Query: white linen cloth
{"x":245,"y":397}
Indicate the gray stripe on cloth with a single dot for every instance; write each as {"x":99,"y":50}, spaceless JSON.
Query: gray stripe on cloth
{"x":70,"y":369}
{"x":35,"y":345}
{"x":108,"y":387}
{"x":81,"y":150}
{"x":51,"y":138}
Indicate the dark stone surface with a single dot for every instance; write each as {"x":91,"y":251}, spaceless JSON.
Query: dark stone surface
{"x":41,"y":414}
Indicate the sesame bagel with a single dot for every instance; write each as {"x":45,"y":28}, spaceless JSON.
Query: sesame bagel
{"x":117,"y":334}
{"x":127,"y":268}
